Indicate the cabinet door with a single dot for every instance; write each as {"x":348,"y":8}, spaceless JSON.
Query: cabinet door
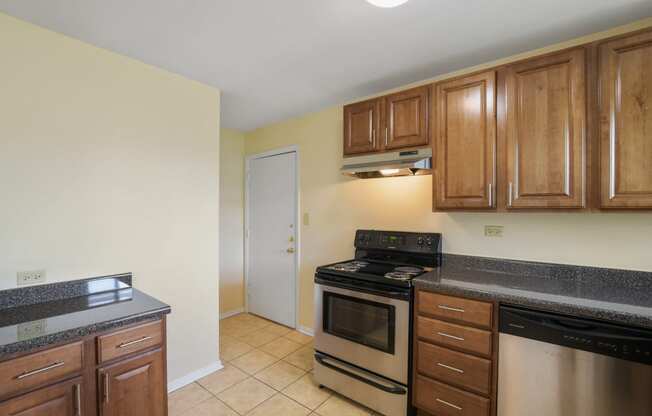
{"x":546,"y":118}
{"x":626,"y":122}
{"x":406,"y":118}
{"x":134,"y":387}
{"x":361,"y":125}
{"x":465,"y":142}
{"x":63,"y":399}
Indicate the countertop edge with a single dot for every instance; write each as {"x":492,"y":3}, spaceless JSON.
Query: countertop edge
{"x":71,"y":335}
{"x":584,"y":311}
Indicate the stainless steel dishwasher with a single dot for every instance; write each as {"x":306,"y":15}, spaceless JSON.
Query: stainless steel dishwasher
{"x":555,"y":365}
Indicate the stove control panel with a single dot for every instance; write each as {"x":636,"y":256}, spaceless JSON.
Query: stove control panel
{"x":399,"y":241}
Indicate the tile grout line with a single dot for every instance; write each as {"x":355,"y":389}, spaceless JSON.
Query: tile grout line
{"x":276,"y":391}
{"x":214,"y":396}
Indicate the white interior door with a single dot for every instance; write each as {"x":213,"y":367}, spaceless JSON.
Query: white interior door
{"x":271,"y":204}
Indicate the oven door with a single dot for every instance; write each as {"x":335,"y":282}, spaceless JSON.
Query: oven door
{"x":367,"y":330}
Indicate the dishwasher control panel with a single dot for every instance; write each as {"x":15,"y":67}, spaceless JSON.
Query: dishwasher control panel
{"x":632,"y":344}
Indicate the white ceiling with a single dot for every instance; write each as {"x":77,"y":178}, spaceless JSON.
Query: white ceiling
{"x":274,"y":59}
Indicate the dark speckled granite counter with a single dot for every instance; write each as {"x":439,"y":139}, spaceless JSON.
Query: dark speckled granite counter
{"x":71,"y":310}
{"x":619,"y":296}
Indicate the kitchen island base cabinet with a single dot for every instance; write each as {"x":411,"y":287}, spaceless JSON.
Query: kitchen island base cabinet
{"x":63,"y":399}
{"x":114,"y":373}
{"x":134,"y":387}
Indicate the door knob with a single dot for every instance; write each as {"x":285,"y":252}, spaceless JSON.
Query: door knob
{"x":290,"y":250}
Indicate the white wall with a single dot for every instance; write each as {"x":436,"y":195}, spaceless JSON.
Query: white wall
{"x":231,"y":221}
{"x":108,"y":165}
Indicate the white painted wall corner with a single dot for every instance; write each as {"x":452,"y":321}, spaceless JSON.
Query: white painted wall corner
{"x":229,"y":314}
{"x":194,"y":376}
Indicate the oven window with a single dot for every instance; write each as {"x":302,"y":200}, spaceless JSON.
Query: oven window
{"x":361,"y":321}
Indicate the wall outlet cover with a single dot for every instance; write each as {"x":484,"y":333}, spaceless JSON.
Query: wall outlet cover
{"x":31,"y":277}
{"x":29,"y":330}
{"x":493,"y":230}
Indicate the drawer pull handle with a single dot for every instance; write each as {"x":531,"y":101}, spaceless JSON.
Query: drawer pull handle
{"x":78,"y":410}
{"x":448,"y":367}
{"x":449,"y":308}
{"x":41,"y":370}
{"x":138,"y":341}
{"x":443,"y":334}
{"x":448,"y":404}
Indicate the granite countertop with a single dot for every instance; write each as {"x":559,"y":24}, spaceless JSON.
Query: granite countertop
{"x":44,"y":315}
{"x":619,"y":296}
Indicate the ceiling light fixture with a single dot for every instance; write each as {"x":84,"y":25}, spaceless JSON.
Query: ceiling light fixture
{"x":387,"y":3}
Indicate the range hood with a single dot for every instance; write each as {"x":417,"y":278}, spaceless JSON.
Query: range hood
{"x":383,"y":165}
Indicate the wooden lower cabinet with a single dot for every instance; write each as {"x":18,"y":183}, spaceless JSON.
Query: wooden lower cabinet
{"x":134,"y":387}
{"x":443,"y":400}
{"x":63,"y":399}
{"x":455,"y":356}
{"x":117,"y":373}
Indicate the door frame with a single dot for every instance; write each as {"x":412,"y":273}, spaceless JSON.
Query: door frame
{"x":297,"y":234}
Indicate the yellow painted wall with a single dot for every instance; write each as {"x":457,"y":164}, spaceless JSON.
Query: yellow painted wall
{"x":231,"y":221}
{"x":108,"y":165}
{"x":337,"y":206}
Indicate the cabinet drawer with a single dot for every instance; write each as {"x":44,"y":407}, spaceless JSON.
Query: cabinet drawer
{"x":468,"y":339}
{"x":443,"y":400}
{"x":455,"y":368}
{"x":463,"y":310}
{"x":128,"y":341}
{"x":40,"y":368}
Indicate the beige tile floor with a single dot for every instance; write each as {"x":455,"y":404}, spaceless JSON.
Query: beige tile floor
{"x":267,"y":372}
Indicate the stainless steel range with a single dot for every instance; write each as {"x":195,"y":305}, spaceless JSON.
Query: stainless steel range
{"x":363,"y":324}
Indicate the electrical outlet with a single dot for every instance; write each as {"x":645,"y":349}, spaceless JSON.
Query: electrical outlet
{"x":493,"y":230}
{"x":31,"y":330}
{"x":31,"y":277}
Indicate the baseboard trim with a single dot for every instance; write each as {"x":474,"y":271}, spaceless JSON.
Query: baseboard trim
{"x":194,"y":376}
{"x":229,"y":314}
{"x":306,"y":330}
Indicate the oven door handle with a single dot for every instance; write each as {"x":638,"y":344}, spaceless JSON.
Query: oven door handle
{"x":388,"y":387}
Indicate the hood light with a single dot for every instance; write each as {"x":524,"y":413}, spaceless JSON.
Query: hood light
{"x":389,"y":172}
{"x":387,"y":3}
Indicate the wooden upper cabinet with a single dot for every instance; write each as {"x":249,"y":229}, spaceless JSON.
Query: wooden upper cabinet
{"x":626,"y":122}
{"x":464,"y":141}
{"x":135,"y":387}
{"x":361,"y":126}
{"x":406,"y":119}
{"x":545,"y":131}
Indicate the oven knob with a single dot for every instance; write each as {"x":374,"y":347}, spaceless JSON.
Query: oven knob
{"x":429,"y":242}
{"x":420,"y":241}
